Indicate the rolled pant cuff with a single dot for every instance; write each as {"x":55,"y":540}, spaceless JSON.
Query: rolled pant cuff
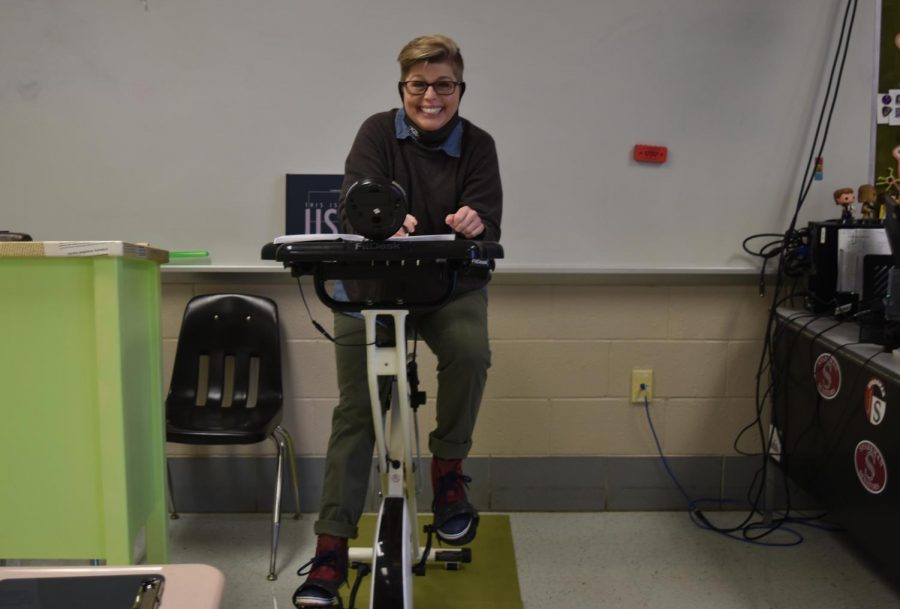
{"x":338,"y":529}
{"x":448,"y":450}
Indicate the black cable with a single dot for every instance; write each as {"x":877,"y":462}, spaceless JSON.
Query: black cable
{"x":754,"y":496}
{"x":362,"y":569}
{"x":323,"y":331}
{"x":761,"y":399}
{"x":825,"y":101}
{"x":791,"y":248}
{"x":419,"y":567}
{"x":792,"y":253}
{"x":845,"y":28}
{"x":697,"y":515}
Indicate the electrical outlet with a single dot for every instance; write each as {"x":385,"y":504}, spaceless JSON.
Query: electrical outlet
{"x":641,"y":376}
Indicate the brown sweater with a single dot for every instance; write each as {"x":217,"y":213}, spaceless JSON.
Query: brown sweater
{"x":437,"y":184}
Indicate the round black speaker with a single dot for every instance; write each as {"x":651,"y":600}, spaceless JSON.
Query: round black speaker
{"x":376,"y":208}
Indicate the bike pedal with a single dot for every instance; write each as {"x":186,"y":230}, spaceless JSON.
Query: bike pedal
{"x":462,"y":555}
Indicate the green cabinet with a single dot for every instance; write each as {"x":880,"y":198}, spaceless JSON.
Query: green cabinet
{"x":82,"y":425}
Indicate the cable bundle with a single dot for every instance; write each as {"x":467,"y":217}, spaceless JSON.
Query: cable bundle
{"x":791,"y":251}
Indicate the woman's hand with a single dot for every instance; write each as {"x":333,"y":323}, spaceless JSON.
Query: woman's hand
{"x":466,"y":222}
{"x":409,"y":226}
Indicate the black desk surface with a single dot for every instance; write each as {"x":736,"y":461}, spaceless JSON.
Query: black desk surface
{"x":844,"y":335}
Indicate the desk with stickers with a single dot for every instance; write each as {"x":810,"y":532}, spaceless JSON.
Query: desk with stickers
{"x":837,"y":414}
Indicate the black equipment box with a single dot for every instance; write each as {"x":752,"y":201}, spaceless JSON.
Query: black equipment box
{"x":843,"y":257}
{"x":822,"y":279}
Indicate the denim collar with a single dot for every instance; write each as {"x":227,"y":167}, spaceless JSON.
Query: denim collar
{"x":452,"y":146}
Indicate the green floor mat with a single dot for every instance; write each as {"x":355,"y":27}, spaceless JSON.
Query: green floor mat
{"x":489,"y":581}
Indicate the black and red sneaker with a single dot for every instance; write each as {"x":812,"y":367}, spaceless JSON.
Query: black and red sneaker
{"x":455,"y":519}
{"x":326,"y":571}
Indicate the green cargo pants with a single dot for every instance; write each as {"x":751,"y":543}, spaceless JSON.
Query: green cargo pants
{"x":457,"y":334}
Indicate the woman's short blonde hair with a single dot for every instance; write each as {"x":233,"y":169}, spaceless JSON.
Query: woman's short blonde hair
{"x":434,"y":48}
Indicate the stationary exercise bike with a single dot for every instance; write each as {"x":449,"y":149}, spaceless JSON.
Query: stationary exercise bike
{"x":376,"y":210}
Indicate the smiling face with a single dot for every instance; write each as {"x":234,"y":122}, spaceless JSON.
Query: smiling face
{"x":430,"y":111}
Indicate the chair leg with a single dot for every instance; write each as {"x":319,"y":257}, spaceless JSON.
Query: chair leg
{"x":173,"y":513}
{"x":292,"y":462}
{"x":276,"y":508}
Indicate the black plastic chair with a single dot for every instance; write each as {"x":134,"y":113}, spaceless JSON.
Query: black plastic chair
{"x":226,"y":384}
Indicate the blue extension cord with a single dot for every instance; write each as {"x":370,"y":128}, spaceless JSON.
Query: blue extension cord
{"x":696,"y":514}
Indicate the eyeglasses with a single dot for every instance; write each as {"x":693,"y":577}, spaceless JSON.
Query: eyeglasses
{"x":441,"y":87}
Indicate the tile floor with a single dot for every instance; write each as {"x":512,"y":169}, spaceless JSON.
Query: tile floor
{"x":607,"y":560}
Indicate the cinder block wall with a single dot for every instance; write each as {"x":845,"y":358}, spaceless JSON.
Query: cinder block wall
{"x":558,"y":391}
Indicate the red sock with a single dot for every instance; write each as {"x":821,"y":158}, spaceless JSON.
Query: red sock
{"x":330,"y":571}
{"x":441,"y":468}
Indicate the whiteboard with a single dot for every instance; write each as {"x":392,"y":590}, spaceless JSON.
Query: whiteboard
{"x":174,"y":122}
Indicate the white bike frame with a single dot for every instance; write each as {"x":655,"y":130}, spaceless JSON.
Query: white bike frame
{"x":395,"y":466}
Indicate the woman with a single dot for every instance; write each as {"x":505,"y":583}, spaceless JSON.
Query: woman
{"x":448,"y":168}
